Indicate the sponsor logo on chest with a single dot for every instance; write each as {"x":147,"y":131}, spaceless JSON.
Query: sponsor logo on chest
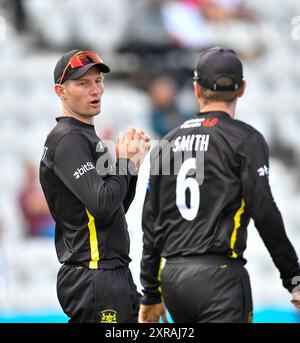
{"x":83,"y":169}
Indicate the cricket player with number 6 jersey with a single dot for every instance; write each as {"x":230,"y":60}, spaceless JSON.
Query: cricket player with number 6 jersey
{"x":197,"y":209}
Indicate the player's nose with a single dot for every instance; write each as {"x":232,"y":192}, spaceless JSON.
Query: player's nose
{"x":97,"y":89}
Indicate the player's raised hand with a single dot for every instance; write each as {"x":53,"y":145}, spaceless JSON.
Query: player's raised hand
{"x":134,"y":145}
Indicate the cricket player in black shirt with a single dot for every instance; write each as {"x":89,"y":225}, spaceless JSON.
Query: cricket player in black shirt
{"x":88,"y":196}
{"x":198,"y":206}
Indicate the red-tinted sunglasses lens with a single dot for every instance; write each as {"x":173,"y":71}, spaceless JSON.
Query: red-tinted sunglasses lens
{"x":79,"y":60}
{"x":83,"y":59}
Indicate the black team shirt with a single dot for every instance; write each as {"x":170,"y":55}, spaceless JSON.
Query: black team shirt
{"x":88,"y":198}
{"x":218,"y":180}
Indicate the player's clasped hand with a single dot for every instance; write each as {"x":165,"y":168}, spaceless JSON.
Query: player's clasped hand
{"x":134,"y":145}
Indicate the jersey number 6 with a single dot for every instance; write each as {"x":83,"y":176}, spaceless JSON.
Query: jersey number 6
{"x":183,"y":183}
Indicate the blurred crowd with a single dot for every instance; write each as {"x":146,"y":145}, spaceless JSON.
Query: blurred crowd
{"x":152,"y":47}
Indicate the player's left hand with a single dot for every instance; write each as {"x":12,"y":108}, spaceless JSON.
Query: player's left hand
{"x":152,"y":313}
{"x":139,"y":134}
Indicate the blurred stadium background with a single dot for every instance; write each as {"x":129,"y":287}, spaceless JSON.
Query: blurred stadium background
{"x":152,"y":47}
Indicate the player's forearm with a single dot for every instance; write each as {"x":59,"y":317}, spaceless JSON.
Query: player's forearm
{"x":151,"y":295}
{"x":150,"y":275}
{"x":130,"y":194}
{"x":114,"y":190}
{"x":271,"y":229}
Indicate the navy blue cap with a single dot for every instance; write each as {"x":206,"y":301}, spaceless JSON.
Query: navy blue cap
{"x":215,"y":63}
{"x":74,"y":73}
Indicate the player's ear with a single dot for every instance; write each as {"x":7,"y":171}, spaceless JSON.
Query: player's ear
{"x":197,"y":89}
{"x":242,"y":89}
{"x":60,"y":91}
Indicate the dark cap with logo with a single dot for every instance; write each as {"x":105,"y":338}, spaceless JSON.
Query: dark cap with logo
{"x":68,"y":73}
{"x":216,"y":63}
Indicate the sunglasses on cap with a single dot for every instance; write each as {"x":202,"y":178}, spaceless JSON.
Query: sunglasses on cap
{"x":80,"y":59}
